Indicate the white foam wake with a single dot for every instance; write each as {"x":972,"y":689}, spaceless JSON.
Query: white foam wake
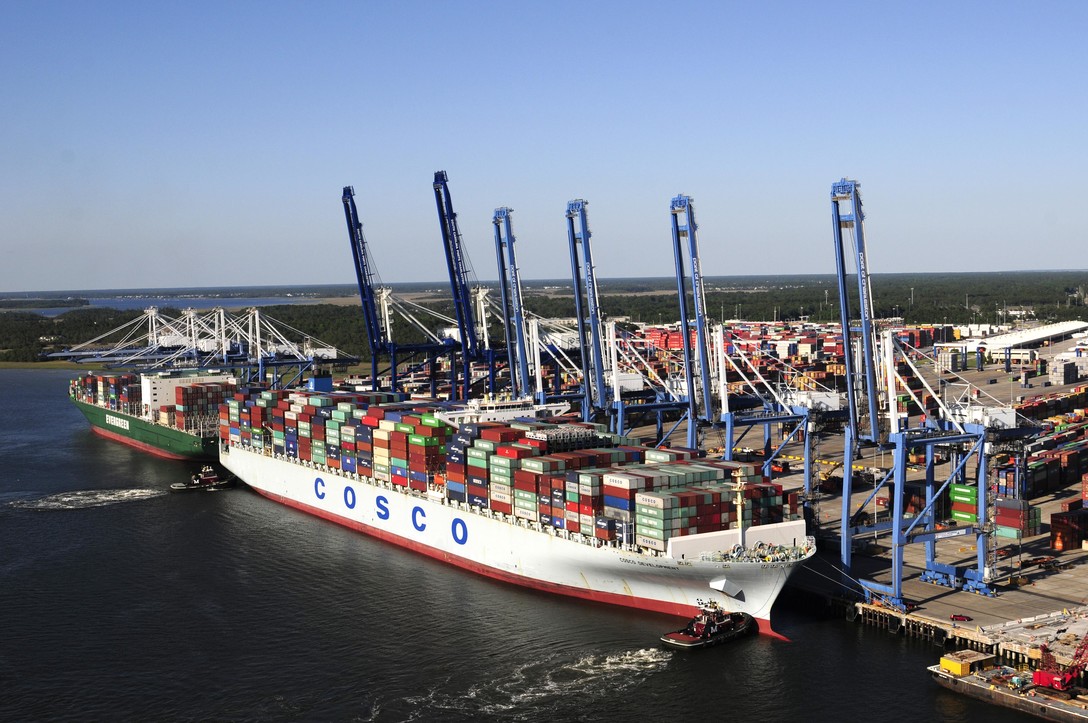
{"x":530,"y":690}
{"x":83,"y":499}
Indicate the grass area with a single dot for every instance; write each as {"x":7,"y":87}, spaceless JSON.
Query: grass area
{"x":50,"y":365}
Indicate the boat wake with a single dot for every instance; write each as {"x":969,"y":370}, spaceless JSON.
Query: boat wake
{"x":536,"y":689}
{"x":83,"y":499}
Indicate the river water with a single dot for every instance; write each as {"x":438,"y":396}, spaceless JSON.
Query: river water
{"x":121,"y":602}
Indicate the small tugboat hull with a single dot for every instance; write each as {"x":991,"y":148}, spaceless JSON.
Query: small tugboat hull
{"x":738,"y":626}
{"x":189,"y":487}
{"x":208,"y":479}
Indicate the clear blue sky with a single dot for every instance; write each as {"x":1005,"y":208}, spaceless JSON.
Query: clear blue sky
{"x":167,"y":144}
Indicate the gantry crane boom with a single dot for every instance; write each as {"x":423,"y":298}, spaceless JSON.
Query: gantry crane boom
{"x":459,"y":282}
{"x":513,"y":314}
{"x":594,"y":390}
{"x":684,"y":227}
{"x":364,"y":273}
{"x":861,"y":385}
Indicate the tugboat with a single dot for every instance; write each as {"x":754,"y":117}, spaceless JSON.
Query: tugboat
{"x":206,"y":479}
{"x":712,"y":626}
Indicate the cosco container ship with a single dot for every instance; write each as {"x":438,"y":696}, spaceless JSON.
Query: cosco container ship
{"x":170,"y":415}
{"x":546,"y":504}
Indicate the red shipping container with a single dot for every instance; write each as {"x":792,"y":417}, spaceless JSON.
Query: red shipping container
{"x":499,"y":434}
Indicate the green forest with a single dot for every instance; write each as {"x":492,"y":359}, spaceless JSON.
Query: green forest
{"x":952,"y":298}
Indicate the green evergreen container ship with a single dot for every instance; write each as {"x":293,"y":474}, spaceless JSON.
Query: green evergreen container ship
{"x":170,"y":415}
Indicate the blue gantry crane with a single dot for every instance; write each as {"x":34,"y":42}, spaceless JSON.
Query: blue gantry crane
{"x":701,"y":406}
{"x":595,"y":395}
{"x":457,"y":264}
{"x":375,"y":300}
{"x":861,"y":384}
{"x":513,"y":314}
{"x":368,"y":287}
{"x":684,"y":227}
{"x":964,"y":442}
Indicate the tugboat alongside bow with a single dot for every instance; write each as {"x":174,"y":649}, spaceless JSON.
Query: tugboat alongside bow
{"x":712,"y":626}
{"x":206,"y":479}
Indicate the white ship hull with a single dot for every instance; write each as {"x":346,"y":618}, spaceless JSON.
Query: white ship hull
{"x":523,"y":553}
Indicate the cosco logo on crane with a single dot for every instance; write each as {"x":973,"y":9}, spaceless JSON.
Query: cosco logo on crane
{"x":418,"y":515}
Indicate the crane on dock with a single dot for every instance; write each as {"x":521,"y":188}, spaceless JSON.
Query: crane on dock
{"x":1053,"y":675}
{"x":702,"y":406}
{"x":378,"y":303}
{"x":470,"y":326}
{"x":513,"y":313}
{"x":595,"y":394}
{"x":862,"y":385}
{"x":250,"y":343}
{"x":682,"y":211}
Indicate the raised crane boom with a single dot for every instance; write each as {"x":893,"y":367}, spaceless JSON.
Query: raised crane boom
{"x":513,"y":313}
{"x":861,"y":385}
{"x":578,"y":235}
{"x":458,"y":270}
{"x":457,"y":265}
{"x":364,"y":273}
{"x":684,"y":227}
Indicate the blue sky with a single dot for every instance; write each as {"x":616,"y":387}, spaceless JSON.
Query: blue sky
{"x":172,"y":144}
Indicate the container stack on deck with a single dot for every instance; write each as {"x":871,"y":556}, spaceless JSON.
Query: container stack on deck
{"x":329,"y":429}
{"x":195,"y":405}
{"x":569,"y":476}
{"x":118,"y":392}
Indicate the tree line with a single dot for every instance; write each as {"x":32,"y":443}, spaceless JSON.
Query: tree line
{"x":952,"y":298}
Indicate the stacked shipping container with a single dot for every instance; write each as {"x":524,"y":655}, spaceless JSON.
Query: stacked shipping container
{"x":574,"y":477}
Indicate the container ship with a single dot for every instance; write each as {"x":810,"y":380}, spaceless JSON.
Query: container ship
{"x":170,"y":415}
{"x":543,"y":503}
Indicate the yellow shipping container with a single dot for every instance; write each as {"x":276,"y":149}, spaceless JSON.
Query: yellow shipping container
{"x":964,"y":661}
